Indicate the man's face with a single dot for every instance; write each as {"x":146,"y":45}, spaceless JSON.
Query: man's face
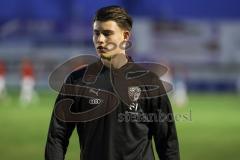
{"x":107,"y":36}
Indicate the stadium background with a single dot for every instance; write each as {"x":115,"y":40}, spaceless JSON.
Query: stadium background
{"x":200,"y":40}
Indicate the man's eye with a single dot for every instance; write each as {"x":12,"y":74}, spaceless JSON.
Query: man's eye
{"x":96,"y":33}
{"x":106,"y":34}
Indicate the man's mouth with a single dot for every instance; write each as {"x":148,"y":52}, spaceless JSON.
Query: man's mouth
{"x":101,"y":49}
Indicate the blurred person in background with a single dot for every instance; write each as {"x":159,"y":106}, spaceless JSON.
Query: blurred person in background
{"x":176,"y":77}
{"x":180,"y":94}
{"x":3,"y":91}
{"x":238,"y":84}
{"x":28,"y":82}
{"x":107,"y":137}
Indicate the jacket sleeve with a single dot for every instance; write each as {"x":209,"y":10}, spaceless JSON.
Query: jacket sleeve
{"x":164,"y":129}
{"x":58,"y":134}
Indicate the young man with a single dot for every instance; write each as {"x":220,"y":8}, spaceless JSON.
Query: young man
{"x":3,"y":91}
{"x":107,"y":128}
{"x":28,"y":82}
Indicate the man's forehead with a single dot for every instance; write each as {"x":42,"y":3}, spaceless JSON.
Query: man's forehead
{"x":105,"y":25}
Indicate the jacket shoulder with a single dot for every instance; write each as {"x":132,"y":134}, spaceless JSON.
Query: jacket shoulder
{"x":82,"y":73}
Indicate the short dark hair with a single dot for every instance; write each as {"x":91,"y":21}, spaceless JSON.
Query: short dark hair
{"x":114,"y":13}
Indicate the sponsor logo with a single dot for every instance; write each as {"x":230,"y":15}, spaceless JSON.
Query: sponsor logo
{"x":94,"y":91}
{"x":134,"y":94}
{"x":95,"y":101}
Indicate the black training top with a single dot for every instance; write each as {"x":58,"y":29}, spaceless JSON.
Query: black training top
{"x":116,"y":116}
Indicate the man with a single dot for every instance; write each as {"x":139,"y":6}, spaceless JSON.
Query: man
{"x":107,"y":128}
{"x":27,"y":84}
{"x":3,"y":91}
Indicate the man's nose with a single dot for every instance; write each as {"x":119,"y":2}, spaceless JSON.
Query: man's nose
{"x":100,"y":39}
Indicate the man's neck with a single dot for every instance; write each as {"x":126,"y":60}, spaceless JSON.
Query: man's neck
{"x":116,"y":62}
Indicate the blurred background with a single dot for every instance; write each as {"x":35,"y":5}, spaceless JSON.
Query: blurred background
{"x":199,"y":41}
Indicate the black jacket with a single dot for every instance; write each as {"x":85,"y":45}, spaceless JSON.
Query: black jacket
{"x":119,"y":130}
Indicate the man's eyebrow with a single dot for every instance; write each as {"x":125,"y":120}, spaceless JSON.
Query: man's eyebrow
{"x":107,"y":30}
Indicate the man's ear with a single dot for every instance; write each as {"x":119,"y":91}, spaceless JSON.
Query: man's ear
{"x":126,"y":35}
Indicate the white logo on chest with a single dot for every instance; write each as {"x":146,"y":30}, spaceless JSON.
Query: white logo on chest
{"x":134,"y":94}
{"x":94,"y":101}
{"x":94,"y":91}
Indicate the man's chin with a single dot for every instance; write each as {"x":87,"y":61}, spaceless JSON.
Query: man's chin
{"x":106,"y":56}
